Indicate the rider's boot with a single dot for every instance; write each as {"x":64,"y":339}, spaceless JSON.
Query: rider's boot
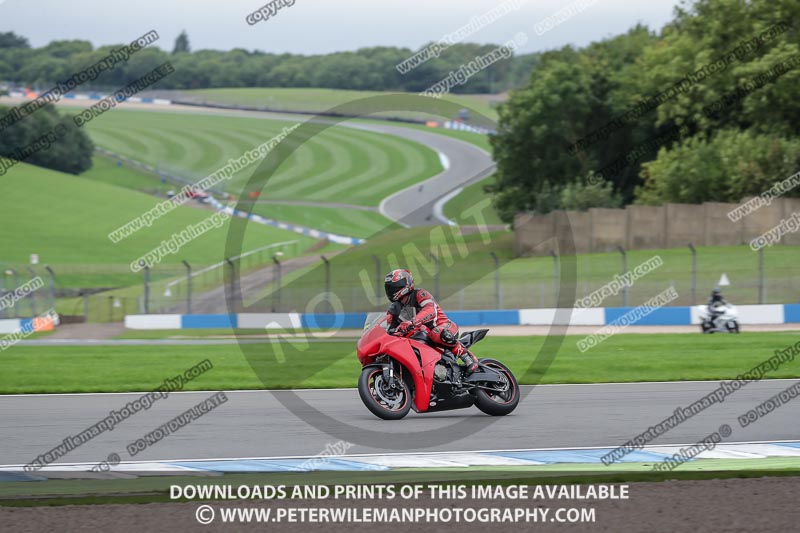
{"x":470,"y":361}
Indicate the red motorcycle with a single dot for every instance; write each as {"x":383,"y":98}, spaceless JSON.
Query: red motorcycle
{"x":410,"y":372}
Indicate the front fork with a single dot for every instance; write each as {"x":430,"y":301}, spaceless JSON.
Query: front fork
{"x":392,"y":376}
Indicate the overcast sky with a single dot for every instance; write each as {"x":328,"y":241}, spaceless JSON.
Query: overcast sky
{"x":320,"y":26}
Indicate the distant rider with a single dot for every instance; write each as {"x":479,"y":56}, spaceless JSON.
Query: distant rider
{"x":716,"y":304}
{"x":425,"y":314}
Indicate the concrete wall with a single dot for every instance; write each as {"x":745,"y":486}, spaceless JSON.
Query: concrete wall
{"x":609,"y":229}
{"x":639,"y":227}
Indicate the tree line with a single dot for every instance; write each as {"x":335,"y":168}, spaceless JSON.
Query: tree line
{"x":707,"y":109}
{"x":364,"y":69}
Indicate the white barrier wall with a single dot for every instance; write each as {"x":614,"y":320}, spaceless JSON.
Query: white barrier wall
{"x":269,"y":320}
{"x":752,"y":314}
{"x":593,"y":316}
{"x":10,"y":325}
{"x":153,"y":322}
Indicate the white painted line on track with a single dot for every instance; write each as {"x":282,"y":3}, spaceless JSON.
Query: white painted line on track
{"x":416,"y":454}
{"x":438,"y":207}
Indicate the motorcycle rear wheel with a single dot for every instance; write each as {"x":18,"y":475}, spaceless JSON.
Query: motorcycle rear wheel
{"x":382,"y":400}
{"x":498,"y":404}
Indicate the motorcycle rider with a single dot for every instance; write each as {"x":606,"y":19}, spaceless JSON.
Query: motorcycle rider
{"x":716,"y":304}
{"x":426,"y":313}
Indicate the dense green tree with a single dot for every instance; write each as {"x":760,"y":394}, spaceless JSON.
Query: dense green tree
{"x":570,"y":94}
{"x":731,"y":165}
{"x":580,"y":195}
{"x":12,"y":40}
{"x":714,"y":99}
{"x":181,"y":44}
{"x":71,"y":152}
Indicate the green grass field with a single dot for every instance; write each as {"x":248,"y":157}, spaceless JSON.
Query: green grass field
{"x":471,"y":195}
{"x":344,"y":221}
{"x":113,"y":172}
{"x":335,"y":165}
{"x":66,"y":220}
{"x":621,"y":358}
{"x":314,"y":100}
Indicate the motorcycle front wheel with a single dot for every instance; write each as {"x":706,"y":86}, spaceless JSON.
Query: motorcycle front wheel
{"x":384,"y":400}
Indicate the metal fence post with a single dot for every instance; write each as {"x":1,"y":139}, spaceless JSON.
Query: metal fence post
{"x":188,"y":287}
{"x":556,"y":276}
{"x":694,"y":273}
{"x":379,"y":276}
{"x":31,"y":295}
{"x":435,"y":276}
{"x":761,"y":275}
{"x":276,"y":302}
{"x":232,"y":287}
{"x":146,"y":290}
{"x":496,"y":280}
{"x":327,"y":276}
{"x":13,"y":272}
{"x":52,"y":286}
{"x":624,"y":270}
{"x":110,"y":308}
{"x":3,"y":291}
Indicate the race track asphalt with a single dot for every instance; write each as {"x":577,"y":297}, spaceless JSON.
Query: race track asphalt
{"x":303,"y":423}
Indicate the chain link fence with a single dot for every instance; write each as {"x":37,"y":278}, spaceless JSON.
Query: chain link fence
{"x":767,"y":277}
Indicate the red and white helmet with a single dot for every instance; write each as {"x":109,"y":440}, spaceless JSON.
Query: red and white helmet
{"x":398,"y":283}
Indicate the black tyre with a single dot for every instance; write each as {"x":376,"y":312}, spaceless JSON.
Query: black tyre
{"x":384,"y":401}
{"x":498,"y":403}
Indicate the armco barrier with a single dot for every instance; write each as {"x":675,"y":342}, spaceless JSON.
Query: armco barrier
{"x":14,"y":325}
{"x":596,"y":316}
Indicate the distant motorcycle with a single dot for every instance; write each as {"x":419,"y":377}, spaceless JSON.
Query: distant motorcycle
{"x":724,"y":319}
{"x":409,"y":372}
